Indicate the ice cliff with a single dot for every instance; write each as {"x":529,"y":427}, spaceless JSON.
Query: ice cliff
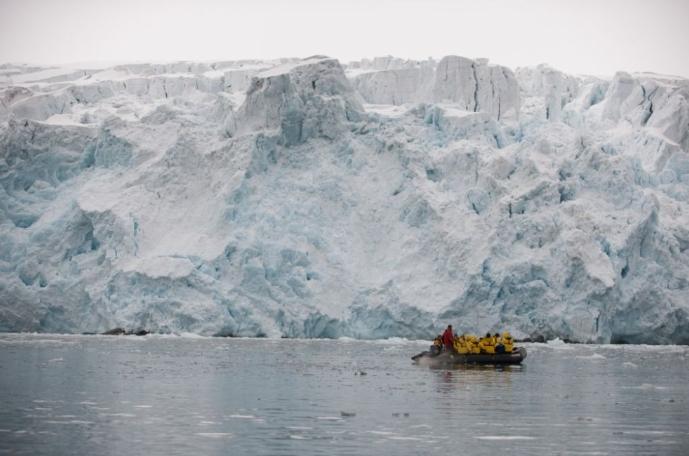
{"x":305,"y":198}
{"x":469,"y":85}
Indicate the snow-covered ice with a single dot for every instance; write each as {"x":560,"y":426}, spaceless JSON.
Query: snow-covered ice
{"x":380,"y":198}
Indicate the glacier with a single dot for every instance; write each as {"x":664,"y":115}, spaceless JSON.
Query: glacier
{"x":378,"y":198}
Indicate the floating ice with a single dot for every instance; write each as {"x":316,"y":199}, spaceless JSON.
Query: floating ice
{"x":504,"y":437}
{"x":243,"y":417}
{"x":215,"y":435}
{"x":649,"y":386}
{"x":594,"y":357}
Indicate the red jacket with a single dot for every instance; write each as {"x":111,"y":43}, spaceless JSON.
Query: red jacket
{"x":448,"y":338}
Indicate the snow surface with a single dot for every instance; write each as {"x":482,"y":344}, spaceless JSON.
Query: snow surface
{"x":305,"y":198}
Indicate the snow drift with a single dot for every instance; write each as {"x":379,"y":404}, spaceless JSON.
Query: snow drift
{"x":304,"y":198}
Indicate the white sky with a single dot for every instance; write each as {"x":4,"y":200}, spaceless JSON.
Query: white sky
{"x":579,"y":36}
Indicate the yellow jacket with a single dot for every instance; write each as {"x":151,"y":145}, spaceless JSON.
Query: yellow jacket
{"x":487,"y":346}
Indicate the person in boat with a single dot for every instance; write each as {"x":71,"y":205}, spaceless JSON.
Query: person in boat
{"x":487,"y":345}
{"x":449,"y":338}
{"x":437,"y":345}
{"x":463,"y":345}
{"x":507,"y":342}
{"x":471,"y":344}
{"x":499,"y":346}
{"x":457,"y":343}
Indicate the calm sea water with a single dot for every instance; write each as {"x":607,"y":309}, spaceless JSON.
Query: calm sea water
{"x":65,"y":395}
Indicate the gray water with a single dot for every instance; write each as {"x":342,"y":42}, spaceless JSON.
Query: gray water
{"x":63,"y":395}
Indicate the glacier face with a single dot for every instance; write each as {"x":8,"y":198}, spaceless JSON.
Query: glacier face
{"x":304,"y":198}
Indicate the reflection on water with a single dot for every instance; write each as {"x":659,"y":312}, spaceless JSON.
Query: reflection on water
{"x":171,"y":395}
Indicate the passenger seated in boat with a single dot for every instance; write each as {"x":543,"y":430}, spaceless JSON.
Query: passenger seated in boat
{"x":474,"y":346}
{"x":486,"y":344}
{"x":462,"y":345}
{"x":499,"y":346}
{"x":456,"y":343}
{"x":507,"y":342}
{"x":437,"y":345}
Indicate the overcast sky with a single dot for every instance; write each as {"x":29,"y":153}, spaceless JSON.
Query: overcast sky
{"x":579,"y":36}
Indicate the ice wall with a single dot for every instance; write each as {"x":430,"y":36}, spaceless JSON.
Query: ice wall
{"x":554,"y":87}
{"x":396,"y":86}
{"x":263,"y":198}
{"x":311,"y":98}
{"x":477,"y":86}
{"x":470,"y":85}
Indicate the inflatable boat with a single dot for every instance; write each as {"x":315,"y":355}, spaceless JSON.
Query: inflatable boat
{"x":449,"y":359}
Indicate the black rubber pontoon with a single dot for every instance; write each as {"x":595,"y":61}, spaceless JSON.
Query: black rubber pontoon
{"x":448,"y":359}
